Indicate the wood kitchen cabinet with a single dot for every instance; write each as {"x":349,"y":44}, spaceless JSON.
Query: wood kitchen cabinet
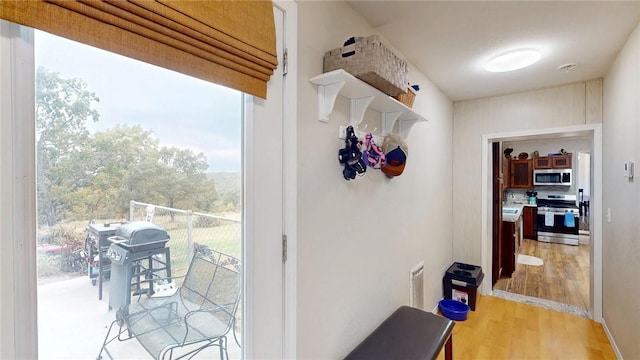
{"x":561,"y":162}
{"x":521,"y":173}
{"x":511,"y":242}
{"x":542,"y":162}
{"x":530,"y":222}
{"x":552,"y":162}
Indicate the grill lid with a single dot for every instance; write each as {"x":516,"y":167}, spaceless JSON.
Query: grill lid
{"x":138,"y":233}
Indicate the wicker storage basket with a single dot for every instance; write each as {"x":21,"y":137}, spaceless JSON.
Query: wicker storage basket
{"x":370,"y":61}
{"x":407,"y":98}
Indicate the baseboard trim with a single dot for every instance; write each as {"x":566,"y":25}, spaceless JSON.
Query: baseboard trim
{"x":436,"y":309}
{"x":611,"y":340}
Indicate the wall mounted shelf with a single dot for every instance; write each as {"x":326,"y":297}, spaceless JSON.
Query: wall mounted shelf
{"x":361,"y":97}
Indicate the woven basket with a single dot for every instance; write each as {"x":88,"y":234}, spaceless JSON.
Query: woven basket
{"x":407,"y":98}
{"x":370,"y":61}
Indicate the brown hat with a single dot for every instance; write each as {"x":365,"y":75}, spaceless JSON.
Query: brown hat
{"x":396,"y":152}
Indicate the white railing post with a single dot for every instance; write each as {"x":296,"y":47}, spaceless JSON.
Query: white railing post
{"x":189,"y":234}
{"x":132,"y":210}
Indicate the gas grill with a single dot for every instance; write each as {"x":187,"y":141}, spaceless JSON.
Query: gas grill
{"x":135,"y":237}
{"x":96,"y":244}
{"x":138,"y":254}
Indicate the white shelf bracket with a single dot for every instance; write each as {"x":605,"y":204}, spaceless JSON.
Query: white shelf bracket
{"x":404,"y":126}
{"x":327,"y":99}
{"x":388,"y":119}
{"x":362,"y":97}
{"x":357,"y":109}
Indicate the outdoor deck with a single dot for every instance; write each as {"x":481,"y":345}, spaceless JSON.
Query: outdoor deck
{"x":72,"y":324}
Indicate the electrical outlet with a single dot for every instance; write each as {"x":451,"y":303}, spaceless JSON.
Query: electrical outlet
{"x":342,"y":132}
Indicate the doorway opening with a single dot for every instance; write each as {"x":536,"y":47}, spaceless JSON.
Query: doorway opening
{"x":531,"y":281}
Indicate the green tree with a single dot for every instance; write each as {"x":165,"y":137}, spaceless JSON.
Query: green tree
{"x":83,"y":176}
{"x":123,"y":163}
{"x":63,"y":106}
{"x":182,"y":181}
{"x":127,"y":164}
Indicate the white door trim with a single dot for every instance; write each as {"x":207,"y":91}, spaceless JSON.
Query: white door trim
{"x":18,"y":320}
{"x":594,"y":133}
{"x":264,"y":338}
{"x":290,"y":159}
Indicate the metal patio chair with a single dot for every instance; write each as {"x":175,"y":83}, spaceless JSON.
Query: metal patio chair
{"x":198,"y":315}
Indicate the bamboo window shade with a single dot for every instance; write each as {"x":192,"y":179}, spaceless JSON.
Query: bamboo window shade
{"x":232,"y":43}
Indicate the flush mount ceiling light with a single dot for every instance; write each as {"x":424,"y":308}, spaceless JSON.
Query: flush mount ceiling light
{"x":513,"y":60}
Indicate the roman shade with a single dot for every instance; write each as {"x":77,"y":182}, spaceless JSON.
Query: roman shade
{"x":231,"y":43}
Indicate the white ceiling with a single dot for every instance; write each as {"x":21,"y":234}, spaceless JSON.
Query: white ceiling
{"x":449,"y":41}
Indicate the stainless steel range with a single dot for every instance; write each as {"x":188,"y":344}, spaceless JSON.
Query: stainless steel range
{"x":558,"y":219}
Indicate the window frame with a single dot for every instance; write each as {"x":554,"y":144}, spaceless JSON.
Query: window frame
{"x":18,"y":280}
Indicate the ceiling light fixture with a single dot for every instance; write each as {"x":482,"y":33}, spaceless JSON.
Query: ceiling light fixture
{"x":513,"y":60}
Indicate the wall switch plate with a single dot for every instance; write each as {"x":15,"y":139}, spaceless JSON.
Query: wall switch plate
{"x":628,"y":169}
{"x":609,"y":215}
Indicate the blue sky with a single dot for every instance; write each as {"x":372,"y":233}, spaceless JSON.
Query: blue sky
{"x":181,"y":111}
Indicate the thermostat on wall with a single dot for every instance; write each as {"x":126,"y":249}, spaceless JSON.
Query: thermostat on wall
{"x":628,"y":169}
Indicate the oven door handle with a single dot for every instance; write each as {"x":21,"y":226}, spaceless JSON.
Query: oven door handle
{"x":556,"y":213}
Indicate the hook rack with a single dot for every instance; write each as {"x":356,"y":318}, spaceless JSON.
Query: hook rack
{"x":360,"y":133}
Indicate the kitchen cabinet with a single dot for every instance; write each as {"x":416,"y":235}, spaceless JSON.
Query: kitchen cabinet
{"x":561,"y":162}
{"x":542,"y":162}
{"x":511,"y":242}
{"x":552,"y":162}
{"x":521,"y":173}
{"x":530,"y":222}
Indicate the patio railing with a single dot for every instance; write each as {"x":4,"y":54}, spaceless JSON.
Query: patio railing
{"x":187,"y":227}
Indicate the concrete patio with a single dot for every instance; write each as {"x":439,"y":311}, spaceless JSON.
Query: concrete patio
{"x":72,"y":324}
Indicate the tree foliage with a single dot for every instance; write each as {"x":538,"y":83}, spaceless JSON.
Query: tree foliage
{"x":83,"y":176}
{"x":63,"y":106}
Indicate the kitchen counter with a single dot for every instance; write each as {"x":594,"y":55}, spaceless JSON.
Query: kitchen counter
{"x":511,"y":212}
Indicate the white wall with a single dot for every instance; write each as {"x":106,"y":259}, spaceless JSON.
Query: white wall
{"x":621,"y":251}
{"x":359,"y":239}
{"x":573,"y":104}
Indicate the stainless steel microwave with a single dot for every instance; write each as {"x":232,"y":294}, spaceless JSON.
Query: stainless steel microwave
{"x":552,"y":177}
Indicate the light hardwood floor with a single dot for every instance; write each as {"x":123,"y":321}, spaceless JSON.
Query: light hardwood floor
{"x":503,"y":329}
{"x":563,"y":278}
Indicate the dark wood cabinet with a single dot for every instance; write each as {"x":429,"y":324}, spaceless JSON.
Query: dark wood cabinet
{"x":561,"y":162}
{"x":552,"y":162}
{"x":542,"y":162}
{"x":521,"y":172}
{"x":530,"y":222}
{"x":511,"y":241}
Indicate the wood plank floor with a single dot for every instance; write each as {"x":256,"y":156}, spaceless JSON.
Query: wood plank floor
{"x":503,"y":329}
{"x":563,"y":278}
